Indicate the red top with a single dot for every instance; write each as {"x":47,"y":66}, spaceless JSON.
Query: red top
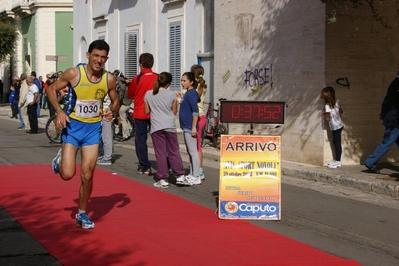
{"x":137,"y":89}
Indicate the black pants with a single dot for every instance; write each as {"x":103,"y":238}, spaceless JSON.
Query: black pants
{"x":32,"y":113}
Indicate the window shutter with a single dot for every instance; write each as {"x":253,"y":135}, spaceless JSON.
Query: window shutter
{"x":131,"y":54}
{"x":175,"y":54}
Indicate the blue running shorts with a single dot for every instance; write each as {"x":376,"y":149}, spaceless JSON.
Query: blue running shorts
{"x":82,"y":134}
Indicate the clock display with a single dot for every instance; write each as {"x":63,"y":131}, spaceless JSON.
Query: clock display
{"x":252,"y":112}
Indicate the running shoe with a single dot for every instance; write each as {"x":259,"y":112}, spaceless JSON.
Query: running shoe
{"x":192,"y":180}
{"x":103,"y":161}
{"x":82,"y":220}
{"x":181,"y":179}
{"x":56,"y":162}
{"x":162,"y":183}
{"x":202,"y":176}
{"x":334,"y":165}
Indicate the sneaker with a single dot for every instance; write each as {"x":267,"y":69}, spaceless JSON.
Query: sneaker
{"x":181,"y":179}
{"x":202,"y":176}
{"x":330,"y":163}
{"x":334,"y":165}
{"x":82,"y":220}
{"x":56,"y":162}
{"x":103,"y":161}
{"x":162,"y":183}
{"x":145,"y":172}
{"x":192,"y":180}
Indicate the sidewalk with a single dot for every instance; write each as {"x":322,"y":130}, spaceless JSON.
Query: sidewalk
{"x":353,"y":176}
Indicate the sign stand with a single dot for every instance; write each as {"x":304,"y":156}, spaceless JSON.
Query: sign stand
{"x":250,"y":165}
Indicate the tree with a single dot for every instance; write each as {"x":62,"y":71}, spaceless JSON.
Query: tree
{"x":356,"y":3}
{"x":8,"y":40}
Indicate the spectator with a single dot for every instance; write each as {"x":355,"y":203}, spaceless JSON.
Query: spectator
{"x":188,"y":117}
{"x":389,"y":115}
{"x":1,"y":90}
{"x":107,"y":137}
{"x":332,"y":113}
{"x":140,"y":84}
{"x":162,"y":105}
{"x":31,"y":100}
{"x":44,"y":96}
{"x":198,"y":72}
{"x":22,"y":101}
{"x":38,"y":84}
{"x":125,"y":105}
{"x":13,"y":102}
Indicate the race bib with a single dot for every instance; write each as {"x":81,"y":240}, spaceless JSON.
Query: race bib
{"x":87,"y":108}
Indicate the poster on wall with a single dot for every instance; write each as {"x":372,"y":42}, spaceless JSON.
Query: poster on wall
{"x":250,"y":177}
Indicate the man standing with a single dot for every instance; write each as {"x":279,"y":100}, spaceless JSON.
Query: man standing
{"x":81,"y":120}
{"x":23,"y":93}
{"x":31,"y":101}
{"x":137,"y":90}
{"x":390,"y":115}
{"x":39,"y":86}
{"x":125,"y":106}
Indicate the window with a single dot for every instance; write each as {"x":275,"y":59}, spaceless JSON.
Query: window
{"x":175,"y":54}
{"x":131,"y":54}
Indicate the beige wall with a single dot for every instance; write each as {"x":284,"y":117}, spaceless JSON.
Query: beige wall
{"x":366,"y":53}
{"x":290,"y":36}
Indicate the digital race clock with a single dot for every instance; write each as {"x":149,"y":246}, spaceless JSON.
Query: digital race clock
{"x":252,"y":112}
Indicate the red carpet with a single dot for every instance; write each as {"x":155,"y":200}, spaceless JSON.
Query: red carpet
{"x":139,"y":225}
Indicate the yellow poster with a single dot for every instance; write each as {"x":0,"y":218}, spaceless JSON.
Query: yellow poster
{"x":250,"y":177}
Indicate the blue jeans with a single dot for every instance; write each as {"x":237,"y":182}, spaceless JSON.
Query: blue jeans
{"x":140,"y":141}
{"x":390,"y":137}
{"x":21,"y":119}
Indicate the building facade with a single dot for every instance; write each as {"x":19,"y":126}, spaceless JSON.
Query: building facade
{"x":287,"y":51}
{"x":45,"y":36}
{"x":178,"y":33}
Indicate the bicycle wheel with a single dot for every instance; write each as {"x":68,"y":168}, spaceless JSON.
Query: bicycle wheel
{"x":203,"y":136}
{"x":223,"y":129}
{"x":131,"y":126}
{"x":220,"y":129}
{"x":52,"y":132}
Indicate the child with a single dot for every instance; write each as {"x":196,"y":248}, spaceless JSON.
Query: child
{"x":161,"y":103}
{"x":198,"y":72}
{"x":188,"y":117}
{"x":332,"y":113}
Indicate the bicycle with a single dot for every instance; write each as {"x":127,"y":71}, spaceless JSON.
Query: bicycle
{"x":213,"y":128}
{"x":52,"y":131}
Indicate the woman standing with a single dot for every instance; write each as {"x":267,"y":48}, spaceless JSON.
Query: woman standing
{"x":162,"y":105}
{"x":188,"y":117}
{"x":198,"y":72}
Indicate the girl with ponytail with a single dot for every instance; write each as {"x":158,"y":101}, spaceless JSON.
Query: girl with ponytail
{"x":198,"y":72}
{"x":162,"y":105}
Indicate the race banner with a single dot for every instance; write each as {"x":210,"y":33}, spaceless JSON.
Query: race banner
{"x":250,"y":177}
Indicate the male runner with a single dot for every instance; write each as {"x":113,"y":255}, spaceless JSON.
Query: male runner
{"x":80,"y":121}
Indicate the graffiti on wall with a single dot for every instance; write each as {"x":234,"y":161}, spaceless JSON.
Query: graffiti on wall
{"x":257,"y":78}
{"x":343,"y":82}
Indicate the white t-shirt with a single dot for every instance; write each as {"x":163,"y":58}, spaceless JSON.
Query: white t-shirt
{"x":335,"y":118}
{"x":30,"y":96}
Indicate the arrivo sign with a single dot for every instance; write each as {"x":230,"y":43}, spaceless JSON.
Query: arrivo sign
{"x":252,"y":112}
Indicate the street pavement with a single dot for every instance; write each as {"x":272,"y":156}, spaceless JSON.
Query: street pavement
{"x":17,"y":247}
